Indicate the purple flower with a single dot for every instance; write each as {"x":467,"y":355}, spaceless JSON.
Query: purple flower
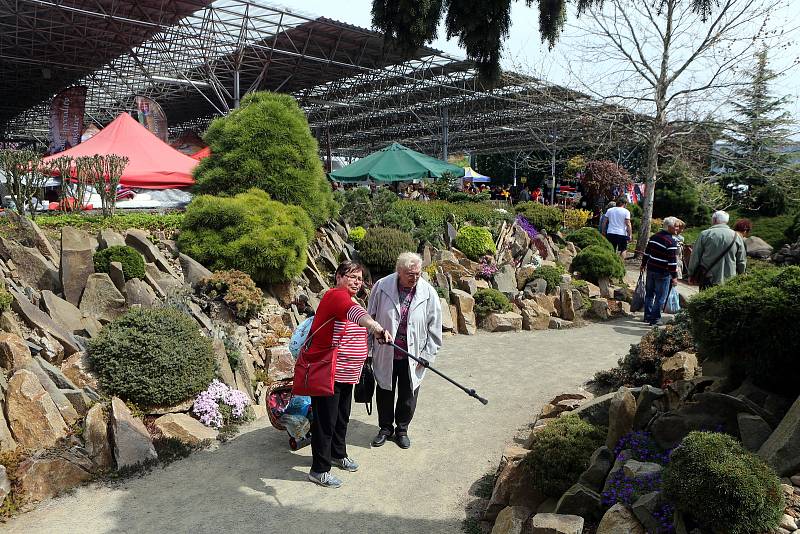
{"x":526,"y":225}
{"x":207,"y":404}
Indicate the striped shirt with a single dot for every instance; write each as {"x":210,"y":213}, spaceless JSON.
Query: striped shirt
{"x":661,"y":254}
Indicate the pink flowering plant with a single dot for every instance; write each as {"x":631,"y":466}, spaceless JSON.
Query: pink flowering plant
{"x":487,"y":268}
{"x":220,"y":406}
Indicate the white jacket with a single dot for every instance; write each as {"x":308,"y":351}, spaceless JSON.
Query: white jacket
{"x":424,"y":332}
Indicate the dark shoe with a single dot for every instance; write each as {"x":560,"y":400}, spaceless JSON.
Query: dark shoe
{"x":381,"y":438}
{"x":402,"y":441}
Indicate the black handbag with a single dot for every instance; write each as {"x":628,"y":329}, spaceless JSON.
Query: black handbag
{"x":365,"y":388}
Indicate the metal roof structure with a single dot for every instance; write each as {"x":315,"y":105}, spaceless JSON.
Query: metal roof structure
{"x":197,"y":58}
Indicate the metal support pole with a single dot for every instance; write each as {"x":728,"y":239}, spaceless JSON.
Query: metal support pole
{"x":236,"y":92}
{"x":445,"y":134}
{"x":553,"y":176}
{"x":515,"y":171}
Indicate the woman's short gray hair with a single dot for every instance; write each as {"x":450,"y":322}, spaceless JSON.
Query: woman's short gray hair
{"x":670,"y":222}
{"x":406,"y":260}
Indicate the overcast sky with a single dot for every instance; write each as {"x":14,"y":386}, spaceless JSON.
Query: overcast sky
{"x":524,"y":51}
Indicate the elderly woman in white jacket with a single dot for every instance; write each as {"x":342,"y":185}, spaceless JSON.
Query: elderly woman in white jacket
{"x":408,"y":307}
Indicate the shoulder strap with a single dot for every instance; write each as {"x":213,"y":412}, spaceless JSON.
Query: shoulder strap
{"x":724,"y":252}
{"x":311,"y":335}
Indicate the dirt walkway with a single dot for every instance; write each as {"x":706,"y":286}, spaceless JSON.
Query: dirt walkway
{"x":256,"y":484}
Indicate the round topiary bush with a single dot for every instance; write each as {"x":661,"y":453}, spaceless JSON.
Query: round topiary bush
{"x":132,"y":262}
{"x":357,"y":234}
{"x":542,"y":217}
{"x":381,"y":246}
{"x":237,"y":290}
{"x":249,"y":233}
{"x":475,"y":242}
{"x":489,"y":300}
{"x":596,"y":262}
{"x":561,"y":452}
{"x":266,"y":143}
{"x":722,"y":486}
{"x":550,"y":274}
{"x":154,"y":356}
{"x":588,"y":236}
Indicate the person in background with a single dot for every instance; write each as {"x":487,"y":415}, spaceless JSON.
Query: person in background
{"x":718,"y":254}
{"x":524,"y":195}
{"x":743,"y":227}
{"x":603,"y":216}
{"x":341,"y":321}
{"x":617,"y":226}
{"x":409,"y":308}
{"x":680,"y":226}
{"x":660,"y":260}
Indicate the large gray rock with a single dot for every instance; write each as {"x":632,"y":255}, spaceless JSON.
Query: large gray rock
{"x":279,"y":363}
{"x":505,"y":280}
{"x":193,"y":272}
{"x":224,"y":370}
{"x":619,"y":520}
{"x":645,"y":405}
{"x":139,"y":292}
{"x":78,"y":370}
{"x":132,"y":443}
{"x":753,"y":431}
{"x":32,"y":233}
{"x":511,"y":520}
{"x":645,"y":508}
{"x":138,"y":239}
{"x":14,"y":352}
{"x":101,"y":298}
{"x":556,"y":524}
{"x":502,"y":322}
{"x":38,"y":320}
{"x":117,"y":275}
{"x":32,"y":268}
{"x":680,"y":366}
{"x":63,"y":404}
{"x":163,"y":283}
{"x":512,"y":488}
{"x":110,"y":238}
{"x":757,"y":248}
{"x":782,"y":448}
{"x":448,"y":322}
{"x":185,"y":428}
{"x":63,"y":312}
{"x":42,"y":477}
{"x":465,"y":305}
{"x":600,"y":308}
{"x":7,"y":441}
{"x":621,"y":413}
{"x":96,"y":437}
{"x":77,"y":262}
{"x":596,"y":410}
{"x":55,"y":374}
{"x":534,"y":317}
{"x":5,"y":484}
{"x":568,"y":305}
{"x":599,"y":465}
{"x":468,"y":284}
{"x":582,"y":501}
{"x":33,"y":417}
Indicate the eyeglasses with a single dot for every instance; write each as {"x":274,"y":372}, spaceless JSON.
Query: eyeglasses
{"x":354,"y":277}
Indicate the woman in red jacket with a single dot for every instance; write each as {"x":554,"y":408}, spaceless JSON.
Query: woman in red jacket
{"x":340,"y":321}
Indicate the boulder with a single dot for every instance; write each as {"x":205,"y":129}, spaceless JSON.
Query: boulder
{"x":468,"y":284}
{"x":505,"y":280}
{"x":9,"y":323}
{"x":279,"y":363}
{"x":565,"y":257}
{"x":782,"y":448}
{"x":645,"y":409}
{"x":101,"y":298}
{"x":193,"y":272}
{"x":132,"y":443}
{"x":5,"y":484}
{"x":7,"y":441}
{"x":534,"y":287}
{"x":757,"y":248}
{"x":599,"y":465}
{"x":596,"y":410}
{"x":117,"y":275}
{"x":534,"y":317}
{"x":109,"y":238}
{"x":503,"y":322}
{"x":77,"y":262}
{"x":556,"y":323}
{"x":200,"y":316}
{"x":137,"y":239}
{"x":753,"y":431}
{"x":63,"y":312}
{"x":619,"y":520}
{"x":91,"y":326}
{"x":511,"y":520}
{"x":163,"y":283}
{"x":525,"y":275}
{"x":556,"y":524}
{"x":181,"y":407}
{"x":138,"y":292}
{"x":465,"y":305}
{"x":34,"y":419}
{"x":568,"y":304}
{"x":96,"y":437}
{"x":545,"y":301}
{"x":79,"y":400}
{"x":185,"y":428}
{"x":34,"y":234}
{"x":14,"y":352}
{"x":41,"y":478}
{"x":645,"y":509}
{"x":512,"y":488}
{"x":582,"y":501}
{"x":448,"y":324}
{"x":63,"y":404}
{"x":32,"y":268}
{"x":224,"y":370}
{"x":55,"y":374}
{"x":621,"y":413}
{"x":77,"y":369}
{"x":606,"y":289}
{"x":680,"y":366}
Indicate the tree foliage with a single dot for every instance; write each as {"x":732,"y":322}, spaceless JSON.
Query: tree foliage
{"x":266,"y":143}
{"x":601,"y":178}
{"x":678,"y":196}
{"x":24,"y":178}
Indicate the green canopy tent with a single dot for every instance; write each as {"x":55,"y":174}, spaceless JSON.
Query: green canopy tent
{"x":395,"y":163}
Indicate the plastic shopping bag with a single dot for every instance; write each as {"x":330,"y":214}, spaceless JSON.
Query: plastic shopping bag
{"x":637,"y":302}
{"x":673,"y":304}
{"x":299,"y":337}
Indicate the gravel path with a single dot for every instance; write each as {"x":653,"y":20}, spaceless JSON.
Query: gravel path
{"x":256,"y":484}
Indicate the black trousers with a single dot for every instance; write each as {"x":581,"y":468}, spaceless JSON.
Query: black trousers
{"x":329,"y":426}
{"x":393,"y":418}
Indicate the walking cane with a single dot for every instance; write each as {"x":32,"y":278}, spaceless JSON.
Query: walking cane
{"x":425,"y":363}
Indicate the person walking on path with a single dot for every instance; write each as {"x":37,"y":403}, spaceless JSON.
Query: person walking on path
{"x":617,"y":226}
{"x":718,"y":254}
{"x":342,"y":322}
{"x":409,"y":308}
{"x":660,"y":260}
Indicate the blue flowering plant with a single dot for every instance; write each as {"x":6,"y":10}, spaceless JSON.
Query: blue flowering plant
{"x":526,"y":225}
{"x":643,"y":447}
{"x":219,"y":406}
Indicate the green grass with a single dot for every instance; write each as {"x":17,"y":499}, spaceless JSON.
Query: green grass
{"x":93,"y":223}
{"x":770,"y":229}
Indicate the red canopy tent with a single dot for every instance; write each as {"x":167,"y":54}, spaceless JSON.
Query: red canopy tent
{"x":152,"y":163}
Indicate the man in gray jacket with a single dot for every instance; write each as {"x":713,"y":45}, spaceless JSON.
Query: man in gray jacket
{"x":719,"y":251}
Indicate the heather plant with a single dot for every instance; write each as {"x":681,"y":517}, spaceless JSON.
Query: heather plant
{"x":488,"y":268}
{"x":153,"y":356}
{"x":475,"y":242}
{"x":489,"y":300}
{"x":220,"y":405}
{"x":236,"y":289}
{"x":132,"y":262}
{"x":381,"y":246}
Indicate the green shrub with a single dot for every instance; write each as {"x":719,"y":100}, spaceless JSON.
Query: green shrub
{"x":249,"y":233}
{"x":381,"y":247}
{"x":542,"y":217}
{"x":357,"y":234}
{"x":722,"y":486}
{"x":5,"y":297}
{"x":361,"y":207}
{"x":475,"y":242}
{"x":266,"y":144}
{"x":119,"y":222}
{"x":771,"y":200}
{"x":792,"y":232}
{"x":489,"y":300}
{"x":588,"y":236}
{"x":153,"y":356}
{"x":550,"y":274}
{"x":237,"y":290}
{"x":595,"y":262}
{"x":560,"y":453}
{"x":427,"y":219}
{"x":132,"y":262}
{"x":677,"y":195}
{"x":751,"y":320}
